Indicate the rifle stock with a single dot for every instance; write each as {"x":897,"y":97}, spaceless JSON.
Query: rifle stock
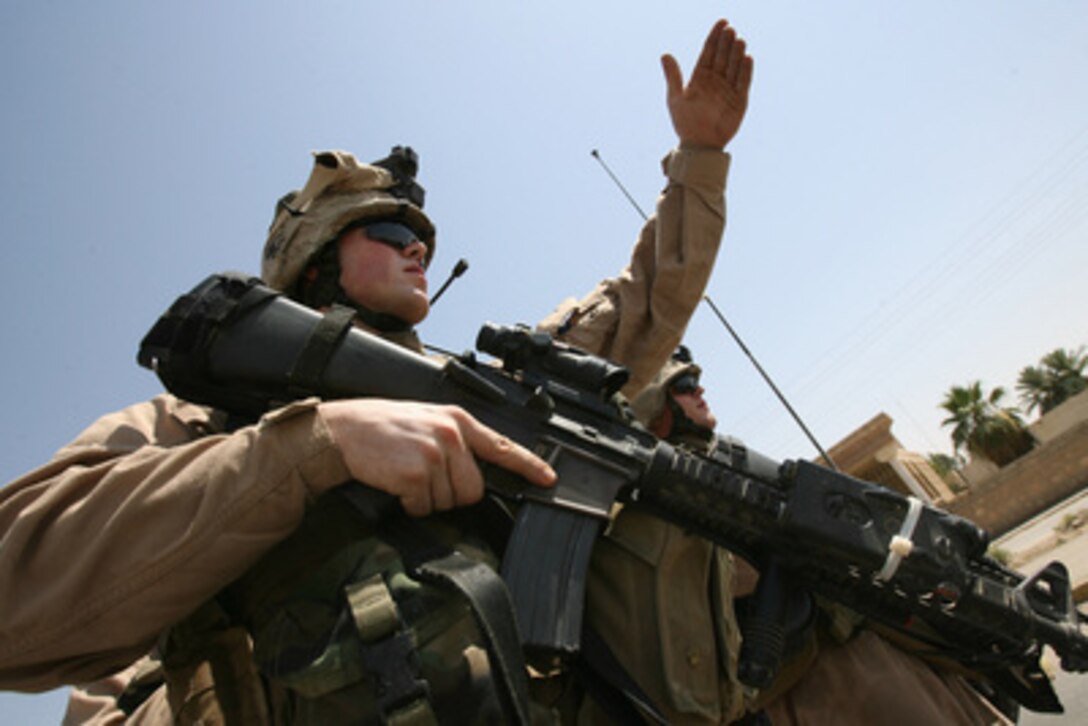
{"x":233,"y":343}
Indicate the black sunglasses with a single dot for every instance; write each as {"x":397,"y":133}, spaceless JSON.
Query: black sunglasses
{"x":396,"y":235}
{"x":686,"y":383}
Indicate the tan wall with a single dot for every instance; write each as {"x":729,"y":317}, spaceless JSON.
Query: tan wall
{"x":978,"y":470}
{"x":873,"y":454}
{"x":934,"y":489}
{"x":1029,"y":485}
{"x":1061,"y":418}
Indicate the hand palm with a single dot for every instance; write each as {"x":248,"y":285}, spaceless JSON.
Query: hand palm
{"x":709,"y":110}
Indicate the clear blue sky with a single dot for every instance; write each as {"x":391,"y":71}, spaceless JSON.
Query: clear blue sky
{"x":908,"y":204}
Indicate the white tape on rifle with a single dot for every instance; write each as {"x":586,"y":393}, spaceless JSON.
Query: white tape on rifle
{"x":900,"y":545}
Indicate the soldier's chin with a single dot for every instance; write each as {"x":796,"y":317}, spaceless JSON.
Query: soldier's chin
{"x":415,"y":309}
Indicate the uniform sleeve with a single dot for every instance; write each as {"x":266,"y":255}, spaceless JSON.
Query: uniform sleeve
{"x":638,"y":317}
{"x":136,"y":523}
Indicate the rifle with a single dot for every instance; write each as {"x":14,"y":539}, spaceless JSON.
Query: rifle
{"x":240,"y":346}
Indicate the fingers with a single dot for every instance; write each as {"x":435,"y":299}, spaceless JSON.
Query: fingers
{"x":730,"y":60}
{"x":707,"y":111}
{"x":744,"y":75}
{"x":450,"y":480}
{"x":454,"y":477}
{"x":424,"y":454}
{"x":464,"y":471}
{"x":415,"y":501}
{"x":736,"y":60}
{"x":495,"y":448}
{"x":674,"y":80}
{"x":447,"y":476}
{"x":724,"y":48}
{"x":724,"y":54}
{"x":707,"y":57}
{"x":723,"y":60}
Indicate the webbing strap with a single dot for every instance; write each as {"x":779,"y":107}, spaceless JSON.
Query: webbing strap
{"x":389,"y":653}
{"x":494,"y":613}
{"x":431,"y":561}
{"x":372,"y":608}
{"x":305,"y":375}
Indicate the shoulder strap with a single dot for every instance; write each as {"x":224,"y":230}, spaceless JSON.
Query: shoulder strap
{"x":305,"y":376}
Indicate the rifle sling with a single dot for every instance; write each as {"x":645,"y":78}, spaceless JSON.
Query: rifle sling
{"x":305,"y":376}
{"x":609,"y":684}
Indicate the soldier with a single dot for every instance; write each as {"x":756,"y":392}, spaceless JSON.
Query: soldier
{"x":224,"y":552}
{"x":651,"y":576}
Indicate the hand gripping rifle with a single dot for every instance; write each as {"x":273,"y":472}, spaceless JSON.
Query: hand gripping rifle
{"x":237,"y":345}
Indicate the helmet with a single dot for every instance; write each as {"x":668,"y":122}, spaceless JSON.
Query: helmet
{"x":650,"y":402}
{"x":340,"y":191}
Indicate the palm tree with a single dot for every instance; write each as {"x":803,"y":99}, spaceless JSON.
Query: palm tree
{"x":948,"y":468}
{"x":984,"y":427}
{"x":944,"y":464}
{"x":1059,"y":376}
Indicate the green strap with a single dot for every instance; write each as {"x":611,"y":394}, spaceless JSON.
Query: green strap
{"x":389,"y":653}
{"x":433,"y":562}
{"x":373,"y":608}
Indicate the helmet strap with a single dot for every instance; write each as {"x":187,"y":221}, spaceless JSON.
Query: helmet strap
{"x":683,"y":428}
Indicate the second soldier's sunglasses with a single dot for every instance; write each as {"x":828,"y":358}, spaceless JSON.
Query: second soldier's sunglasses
{"x":686,"y":383}
{"x":396,"y":235}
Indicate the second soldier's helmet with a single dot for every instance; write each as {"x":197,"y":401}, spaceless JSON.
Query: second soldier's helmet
{"x":650,"y":402}
{"x":340,"y":191}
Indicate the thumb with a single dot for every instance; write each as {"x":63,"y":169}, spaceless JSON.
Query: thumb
{"x":674,"y":81}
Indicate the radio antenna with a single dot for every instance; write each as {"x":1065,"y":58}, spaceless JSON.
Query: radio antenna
{"x":623,"y":189}
{"x":770,"y":383}
{"x":458,"y":270}
{"x":732,"y":332}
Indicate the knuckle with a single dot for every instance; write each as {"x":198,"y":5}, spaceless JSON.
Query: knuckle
{"x":461,"y":418}
{"x":453,"y":411}
{"x":447,"y":436}
{"x":431,"y":455}
{"x":415,"y":473}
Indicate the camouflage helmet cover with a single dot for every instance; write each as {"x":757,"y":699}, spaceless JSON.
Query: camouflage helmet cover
{"x":341,"y":190}
{"x":650,"y":402}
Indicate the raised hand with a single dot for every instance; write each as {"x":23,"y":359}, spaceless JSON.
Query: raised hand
{"x":709,"y":110}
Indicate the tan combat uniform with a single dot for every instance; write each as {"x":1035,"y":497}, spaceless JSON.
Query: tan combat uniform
{"x":866,"y":680}
{"x":662,"y":598}
{"x":675,"y":590}
{"x":150,"y":512}
{"x":649,"y":576}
